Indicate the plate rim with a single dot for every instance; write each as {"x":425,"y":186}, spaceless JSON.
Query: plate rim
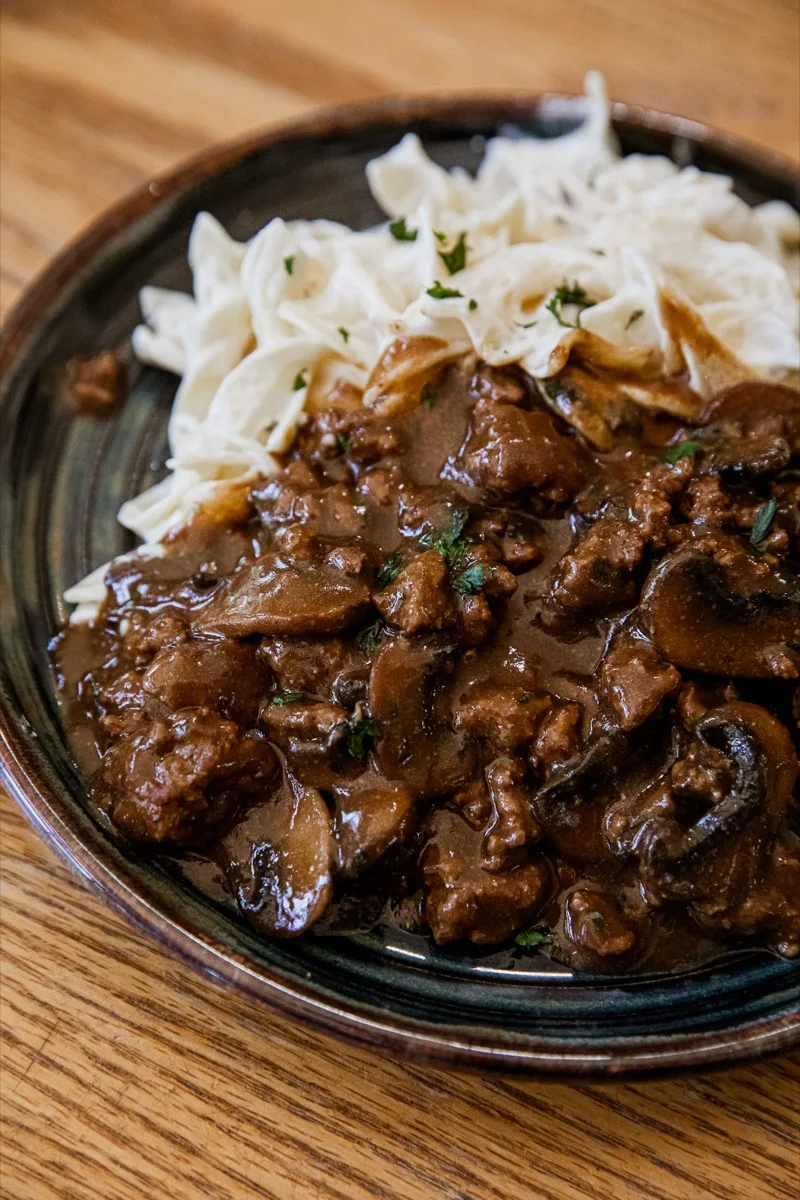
{"x":39,"y":802}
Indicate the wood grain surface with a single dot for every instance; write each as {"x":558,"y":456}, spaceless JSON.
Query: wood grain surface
{"x":123,"y":1074}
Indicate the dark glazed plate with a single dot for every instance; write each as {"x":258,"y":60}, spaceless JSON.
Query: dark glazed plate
{"x":63,"y":478}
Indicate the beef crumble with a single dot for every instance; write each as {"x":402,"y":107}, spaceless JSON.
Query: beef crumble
{"x":467,"y":670}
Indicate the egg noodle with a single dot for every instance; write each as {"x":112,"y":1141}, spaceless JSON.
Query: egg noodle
{"x":556,"y":244}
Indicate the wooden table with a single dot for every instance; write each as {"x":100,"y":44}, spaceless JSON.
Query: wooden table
{"x":125,"y":1075}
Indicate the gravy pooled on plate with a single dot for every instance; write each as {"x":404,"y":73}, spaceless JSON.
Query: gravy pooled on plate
{"x":468,"y":668}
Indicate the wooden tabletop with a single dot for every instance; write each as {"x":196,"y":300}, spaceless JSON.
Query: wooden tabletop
{"x":124,"y":1075}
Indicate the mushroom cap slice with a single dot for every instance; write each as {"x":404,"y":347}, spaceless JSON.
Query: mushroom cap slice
{"x":699,"y":619}
{"x":372,"y":814}
{"x":282,"y":860}
{"x":764,"y":767}
{"x":266,"y":596}
{"x":753,"y":402}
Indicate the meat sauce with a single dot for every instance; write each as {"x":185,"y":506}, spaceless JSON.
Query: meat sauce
{"x":458,"y":669}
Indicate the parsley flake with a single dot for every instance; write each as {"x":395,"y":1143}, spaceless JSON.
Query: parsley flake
{"x":763,"y":520}
{"x":361,"y":736}
{"x":686,"y":449}
{"x":473,"y":304}
{"x":595,"y":917}
{"x":345,"y":333}
{"x":288,"y":697}
{"x":456,"y":259}
{"x":299,"y":382}
{"x":439,"y":292}
{"x":533,"y":937}
{"x":389,"y":571}
{"x":568,"y":294}
{"x":525,"y":698}
{"x":450,"y":544}
{"x":429,"y":395}
{"x":470,"y":581}
{"x":345,"y":442}
{"x":440,"y":237}
{"x":370,"y":638}
{"x":634,"y":317}
{"x":288,"y":264}
{"x":400,"y":231}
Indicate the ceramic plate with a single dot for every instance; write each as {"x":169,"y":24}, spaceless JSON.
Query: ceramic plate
{"x":63,"y":478}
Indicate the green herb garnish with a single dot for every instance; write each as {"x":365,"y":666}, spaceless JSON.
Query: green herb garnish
{"x":456,"y":259}
{"x":440,"y":237}
{"x":566,"y":294}
{"x":525,"y":697}
{"x":288,"y":264}
{"x":600,"y":253}
{"x":450,"y":544}
{"x":369,"y":639}
{"x":400,"y":231}
{"x":533,"y":937}
{"x":595,"y":917}
{"x":634,"y":317}
{"x":429,"y":395}
{"x":288,"y":697}
{"x":470,"y":581}
{"x":473,"y":304}
{"x":439,"y":292}
{"x":345,"y":442}
{"x":299,"y":382}
{"x":686,"y":449}
{"x":389,"y":571}
{"x":345,"y":333}
{"x":763,"y":521}
{"x":361,"y":736}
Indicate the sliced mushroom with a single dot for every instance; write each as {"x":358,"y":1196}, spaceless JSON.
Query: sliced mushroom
{"x":403,"y":700}
{"x":763,"y":765}
{"x":701,"y":620}
{"x":372,"y":814}
{"x":283,"y":856}
{"x":267,"y":597}
{"x":754,"y":403}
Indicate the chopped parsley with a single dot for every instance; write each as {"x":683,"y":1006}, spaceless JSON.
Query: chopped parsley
{"x":429,"y":395}
{"x":470,"y":581}
{"x":288,"y":697}
{"x":525,"y":698}
{"x":634,"y":317}
{"x":763,"y":521}
{"x":456,"y":259}
{"x":595,"y":917}
{"x":288,"y":264}
{"x":439,"y":292}
{"x":686,"y":449}
{"x":568,"y":294}
{"x":600,"y":253}
{"x":361,"y":736}
{"x":345,"y":441}
{"x":400,"y":231}
{"x":345,"y":333}
{"x":473,"y":304}
{"x":451,"y":545}
{"x":389,"y":571}
{"x":370,"y":638}
{"x":533,"y":937}
{"x":440,"y":237}
{"x":299,"y":382}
